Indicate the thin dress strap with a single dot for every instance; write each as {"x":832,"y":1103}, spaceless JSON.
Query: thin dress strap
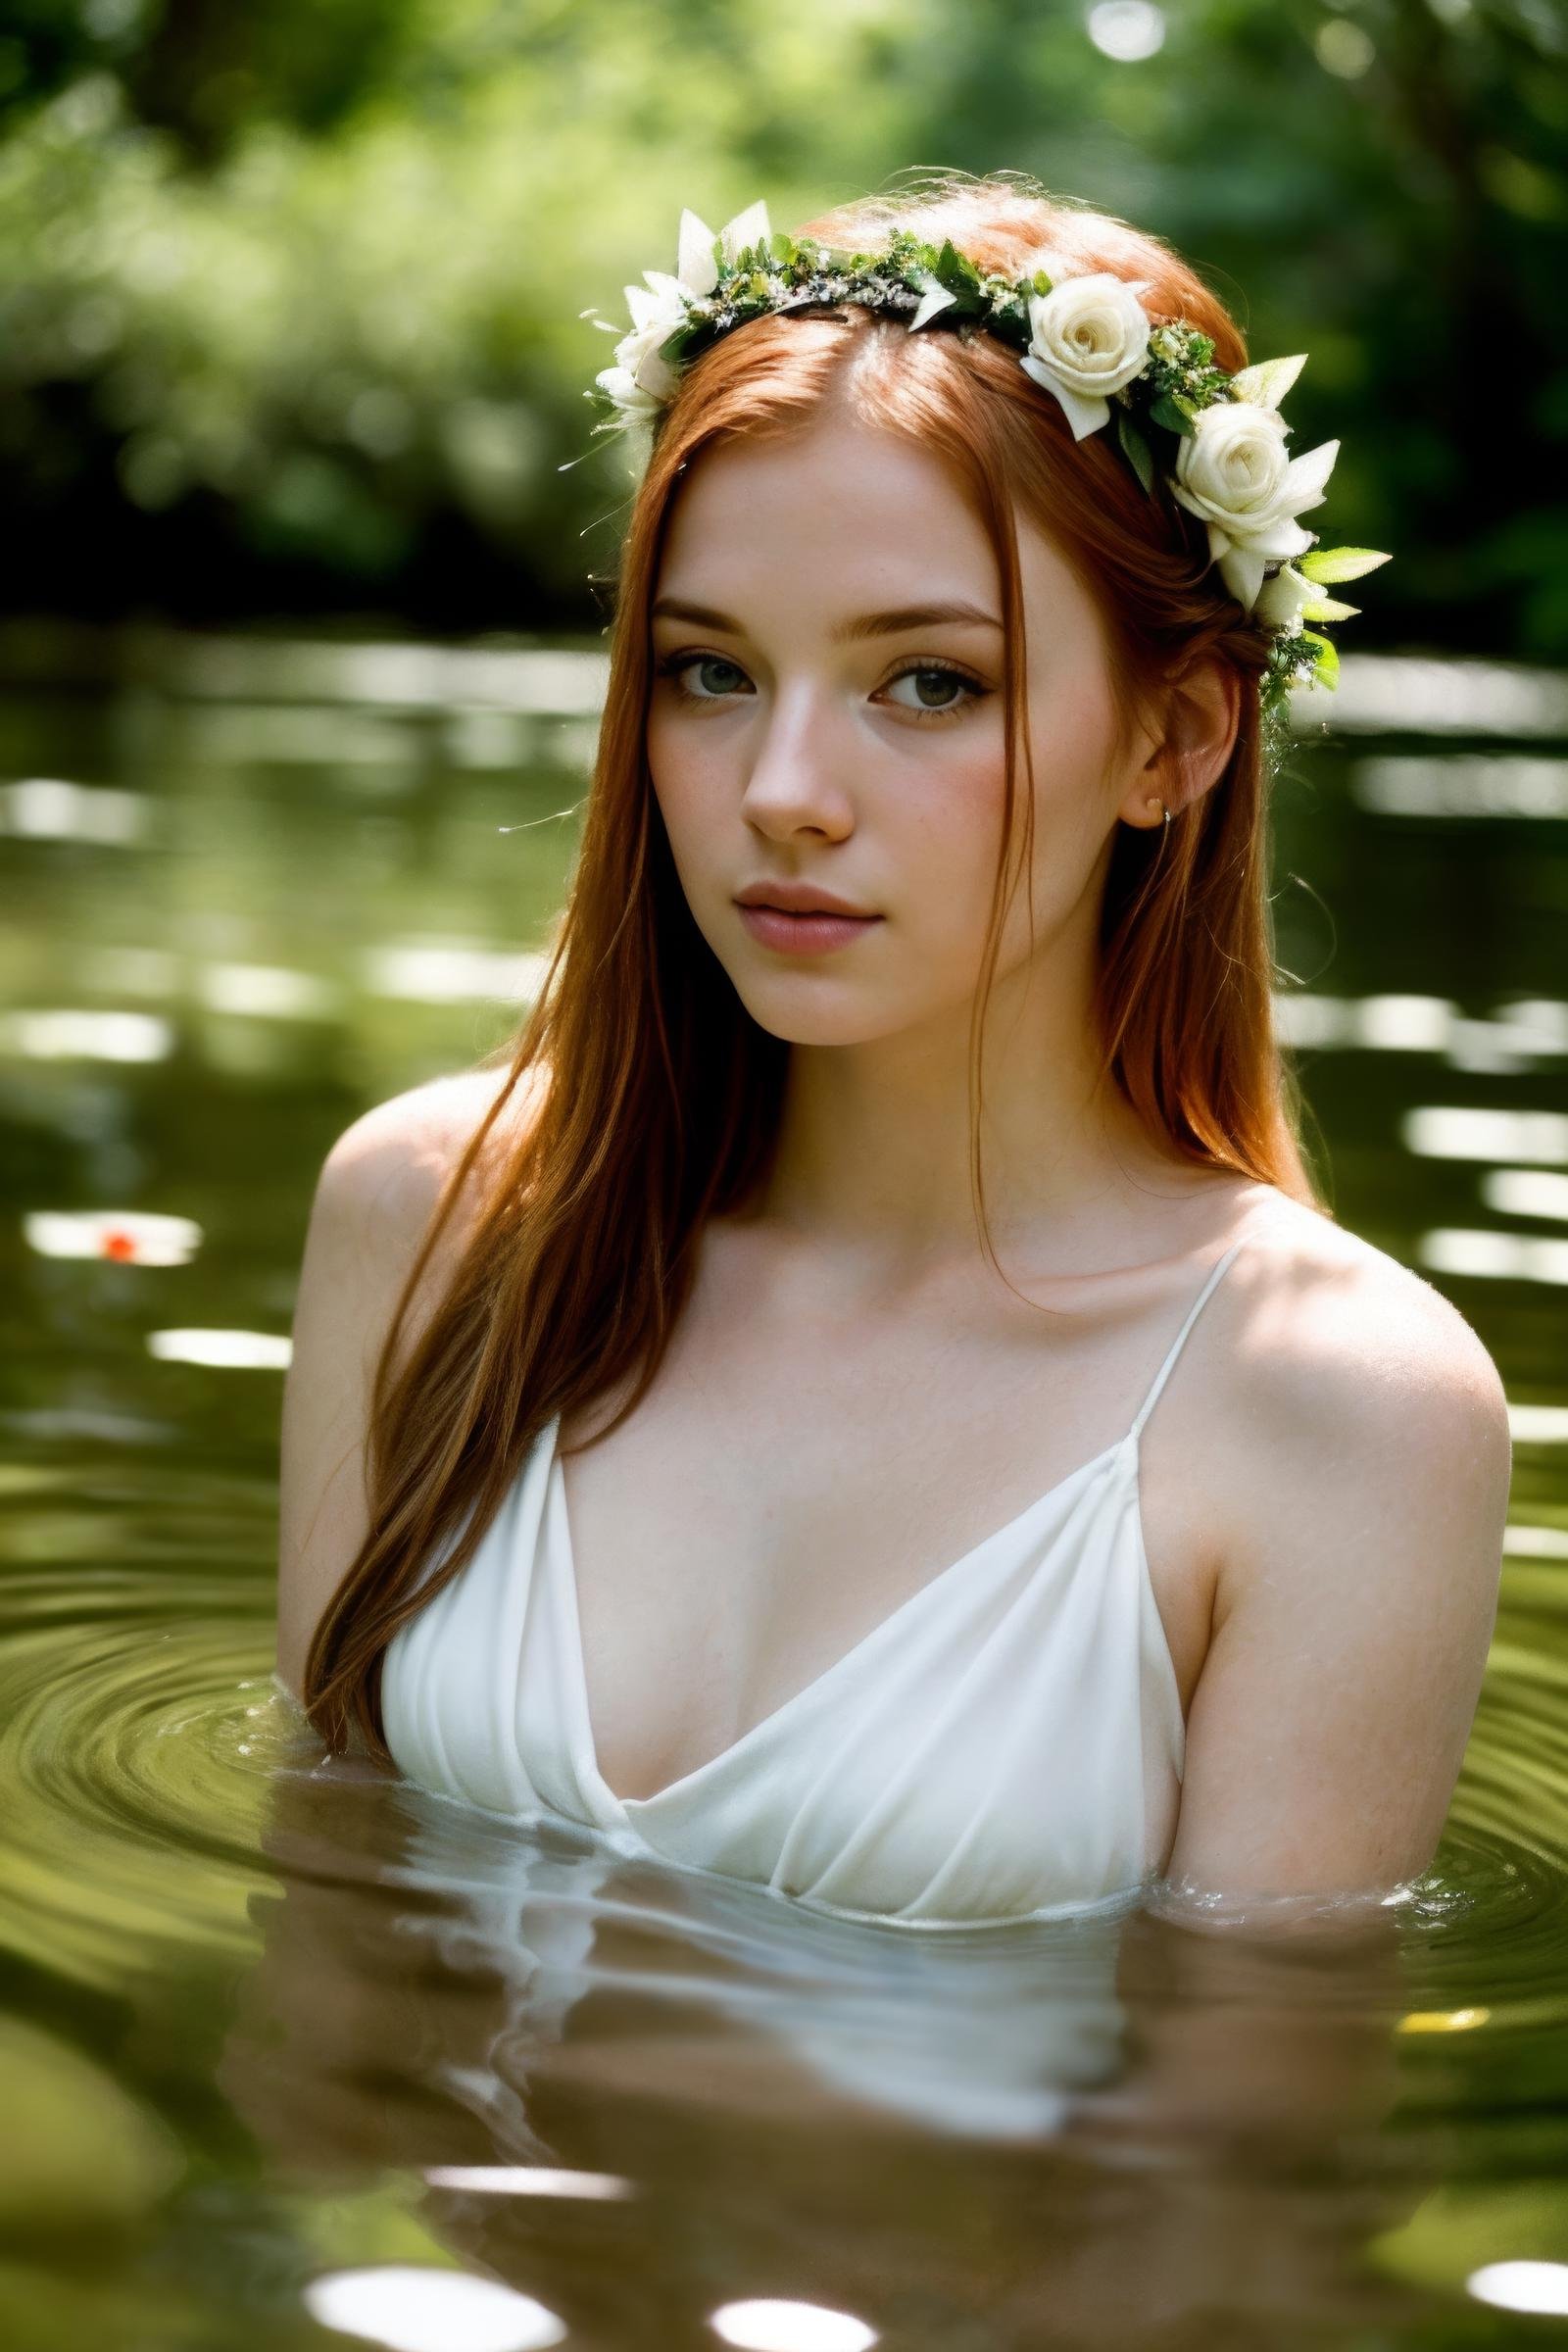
{"x":1163,"y":1374}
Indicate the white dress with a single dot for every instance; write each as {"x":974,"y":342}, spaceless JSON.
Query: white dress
{"x":1007,"y":1745}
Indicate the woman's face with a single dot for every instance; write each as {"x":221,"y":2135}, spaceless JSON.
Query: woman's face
{"x":828,"y":711}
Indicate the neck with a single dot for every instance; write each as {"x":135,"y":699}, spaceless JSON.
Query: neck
{"x":875,"y":1147}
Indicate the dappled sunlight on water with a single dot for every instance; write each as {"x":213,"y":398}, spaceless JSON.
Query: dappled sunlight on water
{"x":279,"y":2031}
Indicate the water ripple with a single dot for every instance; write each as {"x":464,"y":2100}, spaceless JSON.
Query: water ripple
{"x":137,"y":1736}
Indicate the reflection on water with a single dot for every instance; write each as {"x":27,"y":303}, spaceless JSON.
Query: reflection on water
{"x":292,"y":2050}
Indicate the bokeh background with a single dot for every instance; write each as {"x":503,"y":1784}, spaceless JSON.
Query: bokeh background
{"x":289,"y":293}
{"x":307,"y":539}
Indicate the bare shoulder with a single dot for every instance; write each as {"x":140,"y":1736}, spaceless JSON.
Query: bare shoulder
{"x":1334,"y":1328}
{"x":1363,"y":1460}
{"x":378,"y":1190}
{"x":1356,"y":1387}
{"x":387,"y":1172}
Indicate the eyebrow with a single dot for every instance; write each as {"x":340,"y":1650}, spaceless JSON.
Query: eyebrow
{"x":864,"y":625}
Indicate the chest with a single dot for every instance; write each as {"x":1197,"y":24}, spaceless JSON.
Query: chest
{"x":792,"y":1478}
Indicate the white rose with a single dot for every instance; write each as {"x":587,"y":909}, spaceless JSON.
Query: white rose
{"x":1087,"y":337}
{"x":1234,"y":473}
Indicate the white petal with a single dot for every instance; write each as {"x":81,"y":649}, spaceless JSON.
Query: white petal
{"x":669,"y":289}
{"x":1280,"y":599}
{"x":623,"y":389}
{"x":1276,"y":539}
{"x":1304,"y":476}
{"x":1243,"y":574}
{"x":1267,"y":381}
{"x":1185,"y":497}
{"x":1276,"y":609}
{"x":695,"y":268}
{"x":749,"y":227}
{"x":935,"y":297}
{"x":655,"y":376}
{"x":1085,"y":413}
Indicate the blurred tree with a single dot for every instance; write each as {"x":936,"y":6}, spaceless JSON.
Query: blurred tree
{"x":289,"y":296}
{"x":205,"y":71}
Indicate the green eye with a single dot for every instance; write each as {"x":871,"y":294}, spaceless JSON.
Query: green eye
{"x":728,"y":674}
{"x":730,"y":680}
{"x":944,"y":686}
{"x":940,"y":691}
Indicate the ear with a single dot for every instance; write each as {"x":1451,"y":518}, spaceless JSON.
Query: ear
{"x":1204,"y":709}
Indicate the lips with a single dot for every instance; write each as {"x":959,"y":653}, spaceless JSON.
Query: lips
{"x":812,"y":931}
{"x":801,"y":898}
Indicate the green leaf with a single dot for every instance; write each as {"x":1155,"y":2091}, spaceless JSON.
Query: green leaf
{"x":1329,"y":607}
{"x":1040,"y":283}
{"x":1266,"y":384}
{"x":781,"y":245}
{"x":1136,"y":449}
{"x":1326,"y":669}
{"x":954,"y":269}
{"x":1172,"y":414}
{"x":1328,"y":565}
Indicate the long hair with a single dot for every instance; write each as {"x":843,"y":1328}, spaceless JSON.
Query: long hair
{"x":580,"y":1249}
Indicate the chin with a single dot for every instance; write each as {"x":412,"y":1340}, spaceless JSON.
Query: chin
{"x":802,"y":1015}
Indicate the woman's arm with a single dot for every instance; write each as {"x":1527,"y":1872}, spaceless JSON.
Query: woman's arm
{"x":374,"y":1200}
{"x":1363,"y":1527}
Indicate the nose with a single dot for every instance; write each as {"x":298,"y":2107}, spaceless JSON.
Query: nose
{"x":797,"y":778}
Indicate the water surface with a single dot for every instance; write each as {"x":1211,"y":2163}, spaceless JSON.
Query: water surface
{"x":276,"y":2030}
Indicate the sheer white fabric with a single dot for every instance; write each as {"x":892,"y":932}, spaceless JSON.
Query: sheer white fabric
{"x":1007,"y":1745}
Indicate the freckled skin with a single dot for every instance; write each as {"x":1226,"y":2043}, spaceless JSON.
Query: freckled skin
{"x":809,"y":759}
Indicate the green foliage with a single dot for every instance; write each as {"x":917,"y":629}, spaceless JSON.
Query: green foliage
{"x":1136,"y":447}
{"x":1299,"y":659}
{"x":290,"y":295}
{"x":1332,"y":564}
{"x":955,"y":270}
{"x":1183,"y":378}
{"x":1326,"y":666}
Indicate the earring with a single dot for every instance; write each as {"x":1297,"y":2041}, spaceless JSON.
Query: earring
{"x":1153,"y":802}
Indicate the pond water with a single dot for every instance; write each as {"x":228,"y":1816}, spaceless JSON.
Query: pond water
{"x":296,"y":2055}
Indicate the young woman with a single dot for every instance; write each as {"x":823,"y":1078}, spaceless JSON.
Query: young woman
{"x":869,"y":1399}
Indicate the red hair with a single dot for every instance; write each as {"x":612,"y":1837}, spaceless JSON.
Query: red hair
{"x":581,"y":1252}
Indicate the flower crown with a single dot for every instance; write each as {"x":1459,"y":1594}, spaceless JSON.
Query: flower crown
{"x":1217,"y":439}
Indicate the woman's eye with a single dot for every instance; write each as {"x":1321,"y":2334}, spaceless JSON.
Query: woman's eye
{"x":938,"y":692}
{"x":717,"y":678}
